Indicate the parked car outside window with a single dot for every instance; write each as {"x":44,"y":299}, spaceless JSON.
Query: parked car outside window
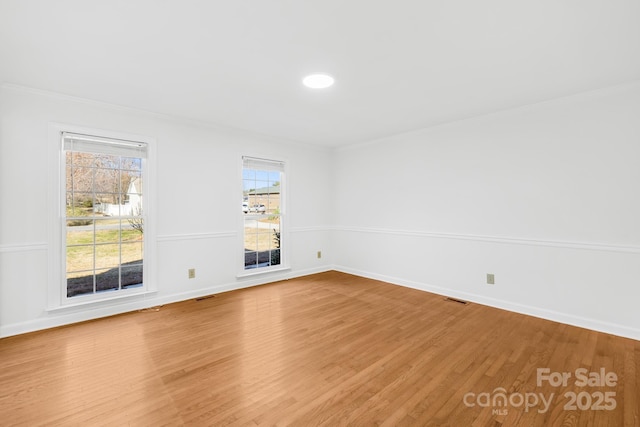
{"x":257,"y":209}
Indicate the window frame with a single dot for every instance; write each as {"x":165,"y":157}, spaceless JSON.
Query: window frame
{"x":284,"y":235}
{"x":57,"y":287}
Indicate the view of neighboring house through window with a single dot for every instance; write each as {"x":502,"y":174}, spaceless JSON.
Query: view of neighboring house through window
{"x":262,"y":195}
{"x":104,"y":214}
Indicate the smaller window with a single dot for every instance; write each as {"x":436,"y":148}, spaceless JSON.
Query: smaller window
{"x":262,"y":208}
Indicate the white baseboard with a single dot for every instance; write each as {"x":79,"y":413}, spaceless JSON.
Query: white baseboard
{"x":140,"y":302}
{"x":555,"y":316}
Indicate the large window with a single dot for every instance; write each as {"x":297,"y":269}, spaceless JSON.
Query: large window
{"x":104,"y":215}
{"x":262,"y":207}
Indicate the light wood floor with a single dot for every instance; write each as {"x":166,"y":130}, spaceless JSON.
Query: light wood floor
{"x":328,"y":349}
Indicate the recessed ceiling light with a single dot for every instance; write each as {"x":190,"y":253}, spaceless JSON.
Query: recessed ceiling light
{"x":318,"y":81}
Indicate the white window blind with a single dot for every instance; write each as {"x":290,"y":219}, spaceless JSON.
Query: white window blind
{"x":99,"y":145}
{"x":262,"y":164}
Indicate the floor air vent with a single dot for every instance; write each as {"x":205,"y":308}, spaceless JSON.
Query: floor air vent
{"x":205,"y":297}
{"x":458,"y":301}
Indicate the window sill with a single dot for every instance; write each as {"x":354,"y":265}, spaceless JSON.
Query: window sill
{"x":129,"y":296}
{"x":261,"y":272}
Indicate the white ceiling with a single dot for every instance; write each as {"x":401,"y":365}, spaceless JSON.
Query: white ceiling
{"x":399,"y":65}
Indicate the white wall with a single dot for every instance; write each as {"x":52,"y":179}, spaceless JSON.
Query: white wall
{"x":546,"y":197}
{"x":196,"y":166}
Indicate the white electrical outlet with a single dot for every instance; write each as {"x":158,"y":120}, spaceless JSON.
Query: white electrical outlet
{"x":491,"y":279}
{"x":192,"y":273}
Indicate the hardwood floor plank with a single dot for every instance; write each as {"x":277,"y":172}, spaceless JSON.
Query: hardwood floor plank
{"x":328,"y":349}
